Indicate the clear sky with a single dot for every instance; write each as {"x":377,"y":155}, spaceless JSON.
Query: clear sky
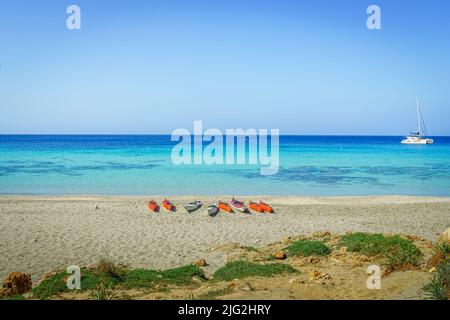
{"x":305,"y":67}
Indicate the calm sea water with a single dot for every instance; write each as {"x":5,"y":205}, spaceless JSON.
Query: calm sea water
{"x":138,"y":165}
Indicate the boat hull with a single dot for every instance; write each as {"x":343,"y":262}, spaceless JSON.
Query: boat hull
{"x":213,"y":210}
{"x":417,"y":141}
{"x":240,"y":209}
{"x":225,"y":207}
{"x":193,"y":206}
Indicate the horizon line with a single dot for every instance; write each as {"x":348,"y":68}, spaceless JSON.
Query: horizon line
{"x":168,"y":134}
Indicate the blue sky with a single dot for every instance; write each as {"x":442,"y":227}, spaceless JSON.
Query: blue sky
{"x":305,"y":67}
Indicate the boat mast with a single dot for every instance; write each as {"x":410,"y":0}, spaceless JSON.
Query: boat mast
{"x":418,"y":116}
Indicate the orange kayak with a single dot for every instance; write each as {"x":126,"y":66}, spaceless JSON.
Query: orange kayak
{"x":225,"y":207}
{"x":153,"y":206}
{"x":168,"y":205}
{"x":265,"y":207}
{"x":255,"y":206}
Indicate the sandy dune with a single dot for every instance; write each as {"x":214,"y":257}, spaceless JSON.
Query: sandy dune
{"x":39,"y":234}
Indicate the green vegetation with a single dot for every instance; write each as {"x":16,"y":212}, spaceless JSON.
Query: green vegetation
{"x":242,"y":269}
{"x":103,"y":292}
{"x":439,"y":287}
{"x":16,"y":297}
{"x":106,"y":276}
{"x":308,"y":248}
{"x":443,"y":249}
{"x":51,"y":286}
{"x":141,"y":278}
{"x":399,"y":253}
{"x":110,"y":269}
{"x":211,"y":295}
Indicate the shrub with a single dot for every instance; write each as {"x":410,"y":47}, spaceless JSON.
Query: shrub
{"x":101,"y":279}
{"x":244,"y":269}
{"x":399,"y":253}
{"x":439,"y":287}
{"x":141,"y":278}
{"x":103,"y":292}
{"x":308,"y":248}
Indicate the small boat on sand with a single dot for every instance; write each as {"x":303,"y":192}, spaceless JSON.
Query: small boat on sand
{"x":266,"y":207}
{"x":168,"y":205}
{"x":192,"y":206}
{"x":255,"y":206}
{"x":225,"y":207}
{"x":153,"y":206}
{"x":238,"y":205}
{"x":213,"y":210}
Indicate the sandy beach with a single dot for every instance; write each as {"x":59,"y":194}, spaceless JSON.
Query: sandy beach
{"x":39,"y":234}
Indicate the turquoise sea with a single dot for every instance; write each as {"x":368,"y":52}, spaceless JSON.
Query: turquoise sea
{"x":140,"y":165}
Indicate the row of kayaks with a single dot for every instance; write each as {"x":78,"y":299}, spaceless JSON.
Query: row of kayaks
{"x":230,"y":207}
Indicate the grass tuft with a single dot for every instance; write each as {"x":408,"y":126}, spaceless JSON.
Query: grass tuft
{"x":250,"y":249}
{"x":214,"y":294}
{"x":51,"y":286}
{"x":141,"y":278}
{"x":243,"y":269}
{"x":16,"y":297}
{"x":439,"y":287}
{"x":102,"y":292}
{"x":308,"y":248}
{"x":109,"y":269}
{"x":444,"y":249}
{"x":399,"y":253}
{"x":105,"y":277}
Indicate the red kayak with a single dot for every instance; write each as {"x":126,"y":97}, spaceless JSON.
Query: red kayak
{"x":266,"y":207}
{"x":255,"y":206}
{"x":153,"y":206}
{"x":225,"y":207}
{"x":168,"y":205}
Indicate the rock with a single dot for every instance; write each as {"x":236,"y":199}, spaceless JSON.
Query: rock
{"x":313,"y":260}
{"x":280,"y":255}
{"x":325,"y":276}
{"x":314,"y":275}
{"x":286,"y":239}
{"x":296,"y":280}
{"x":357,"y":259}
{"x":197,"y":280}
{"x":3,"y":293}
{"x":240,"y":285}
{"x":246,"y":287}
{"x":201,"y":263}
{"x":445,"y":236}
{"x":343,"y":250}
{"x":433,"y":269}
{"x":16,"y":283}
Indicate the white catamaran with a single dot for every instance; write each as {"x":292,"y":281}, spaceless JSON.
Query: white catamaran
{"x":416,"y":137}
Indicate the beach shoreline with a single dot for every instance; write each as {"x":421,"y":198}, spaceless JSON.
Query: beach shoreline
{"x":43,"y":233}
